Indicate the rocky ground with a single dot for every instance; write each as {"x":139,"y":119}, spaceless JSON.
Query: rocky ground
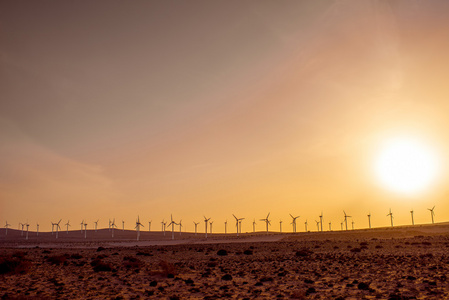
{"x":317,"y":267}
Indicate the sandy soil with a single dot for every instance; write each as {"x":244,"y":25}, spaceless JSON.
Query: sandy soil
{"x":387,"y":263}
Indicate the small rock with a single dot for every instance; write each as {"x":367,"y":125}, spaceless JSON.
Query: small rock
{"x":226,"y":277}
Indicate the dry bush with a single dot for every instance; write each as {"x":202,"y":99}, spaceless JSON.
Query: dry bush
{"x":100,"y":266}
{"x":14,"y":265}
{"x":168,"y":268}
{"x":130,"y":262}
{"x":57,"y":259}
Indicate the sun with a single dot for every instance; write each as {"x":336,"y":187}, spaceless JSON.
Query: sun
{"x":406,"y":165}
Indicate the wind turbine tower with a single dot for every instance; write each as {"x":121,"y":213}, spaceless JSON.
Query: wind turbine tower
{"x":172,"y":223}
{"x":206,"y":220}
{"x":321,"y":221}
{"x":254,"y":225}
{"x":196,"y":225}
{"x":413,"y":221}
{"x":226,"y":225}
{"x":149,"y":226}
{"x":305,"y":223}
{"x":237,"y":223}
{"x":67,"y":226}
{"x":330,"y":226}
{"x":432,"y":213}
{"x":113,"y":226}
{"x":391,"y":217}
{"x":210,"y":223}
{"x":369,"y":220}
{"x":85,"y":230}
{"x":280,"y":226}
{"x":27,"y":225}
{"x":267,"y":222}
{"x":138,"y":224}
{"x":352,"y":224}
{"x":123,"y":225}
{"x":37,"y":229}
{"x":57,"y":228}
{"x":346,"y":220}
{"x":6,"y":226}
{"x":294,"y":222}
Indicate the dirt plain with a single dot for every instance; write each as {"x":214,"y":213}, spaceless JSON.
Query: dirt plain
{"x":384,"y":263}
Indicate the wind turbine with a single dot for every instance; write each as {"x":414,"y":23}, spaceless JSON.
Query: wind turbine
{"x":330,"y":226}
{"x":52,"y":226}
{"x":391,"y":217}
{"x":85,"y":230}
{"x":82,"y":224}
{"x":205,"y":224}
{"x":163,"y":226}
{"x":37,"y":231}
{"x":196,"y":225}
{"x":413,"y":221}
{"x":96,"y":223}
{"x":352,"y":224}
{"x":67,"y":225}
{"x":23,"y":225}
{"x":341,"y":225}
{"x":27,"y":225}
{"x":172,"y":223}
{"x":123,"y":225}
{"x":210,"y":223}
{"x":237,"y":220}
{"x":138,"y":224}
{"x":254,"y":226}
{"x":149,"y":226}
{"x":240,"y":224}
{"x":57,"y":227}
{"x":305,"y":223}
{"x":109,"y":226}
{"x":294,"y":222}
{"x":267,"y":222}
{"x":180,"y":226}
{"x":321,"y":221}
{"x":226,"y":225}
{"x":112,"y":226}
{"x":317,"y":225}
{"x":346,"y":220}
{"x":280,"y":226}
{"x":6,"y":226}
{"x":432,"y":213}
{"x":369,"y":220}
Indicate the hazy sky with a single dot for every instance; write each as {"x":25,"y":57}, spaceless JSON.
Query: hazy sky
{"x":118,"y":109}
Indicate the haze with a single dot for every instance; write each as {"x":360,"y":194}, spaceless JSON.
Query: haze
{"x":118,"y":109}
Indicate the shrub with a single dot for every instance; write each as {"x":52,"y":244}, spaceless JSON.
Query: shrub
{"x":130,"y":262}
{"x":56,"y":259}
{"x":100,"y":266}
{"x":222,"y":252}
{"x":167,"y":268}
{"x":303,"y":252}
{"x":14,"y":265}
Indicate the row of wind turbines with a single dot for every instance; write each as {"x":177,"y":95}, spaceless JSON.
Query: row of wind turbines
{"x":56,"y":228}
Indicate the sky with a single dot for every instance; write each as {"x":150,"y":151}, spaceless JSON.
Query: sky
{"x":113,"y":109}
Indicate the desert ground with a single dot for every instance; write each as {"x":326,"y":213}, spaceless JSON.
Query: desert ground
{"x":408,"y":262}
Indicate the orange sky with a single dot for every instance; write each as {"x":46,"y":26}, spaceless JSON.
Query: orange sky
{"x":212,"y":108}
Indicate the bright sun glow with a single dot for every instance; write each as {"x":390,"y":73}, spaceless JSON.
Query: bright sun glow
{"x":406,"y":166}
